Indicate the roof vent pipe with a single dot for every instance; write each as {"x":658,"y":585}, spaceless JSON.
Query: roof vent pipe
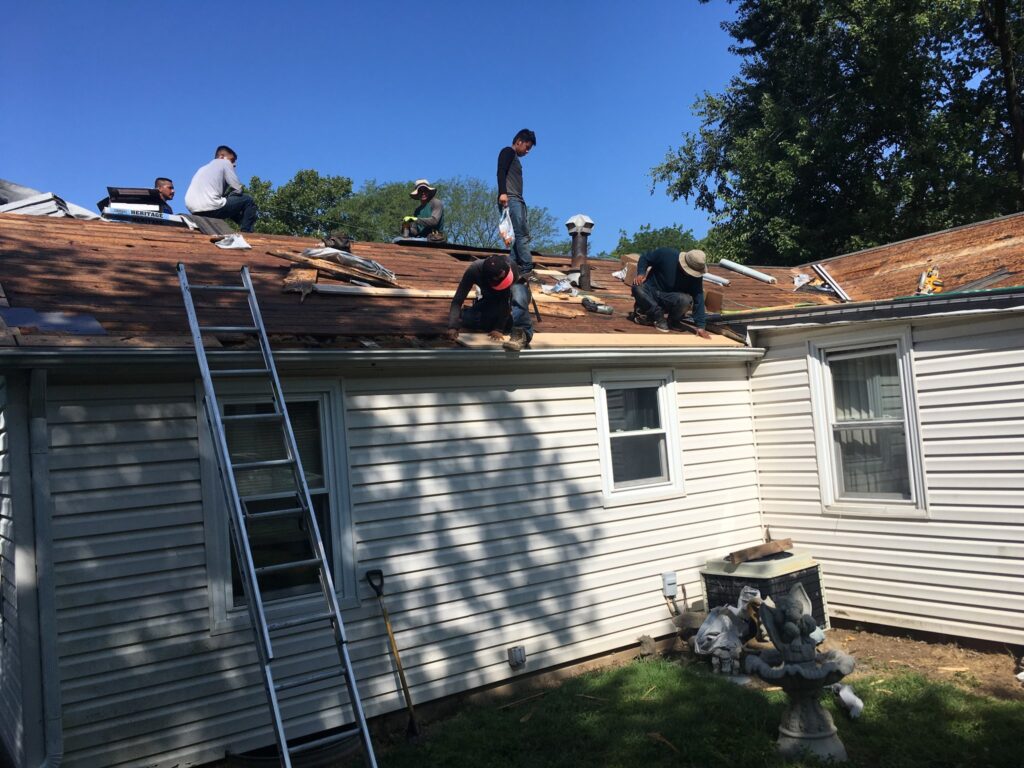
{"x":715,"y":279}
{"x":746,"y":271}
{"x":580,"y":226}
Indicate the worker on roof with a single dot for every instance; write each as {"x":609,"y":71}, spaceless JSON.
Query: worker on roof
{"x":428,"y":218}
{"x":166,"y":189}
{"x":216,"y":192}
{"x":504,"y":303}
{"x":510,"y":195}
{"x":670,"y":282}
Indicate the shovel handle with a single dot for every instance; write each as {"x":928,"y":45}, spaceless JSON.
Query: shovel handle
{"x":375,"y":579}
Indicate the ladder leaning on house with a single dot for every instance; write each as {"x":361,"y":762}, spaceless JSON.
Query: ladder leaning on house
{"x":329,"y":616}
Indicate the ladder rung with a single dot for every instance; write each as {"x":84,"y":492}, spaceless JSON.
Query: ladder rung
{"x":228,"y":328}
{"x":218,"y":288}
{"x":300,"y":681}
{"x":275,"y":513}
{"x":239,"y":372}
{"x":276,"y":496}
{"x":290,"y":566}
{"x":334,"y":738}
{"x":252,"y":417}
{"x":298,"y":621}
{"x":262,"y":464}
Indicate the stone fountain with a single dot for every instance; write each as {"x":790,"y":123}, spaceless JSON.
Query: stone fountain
{"x":803,"y":673}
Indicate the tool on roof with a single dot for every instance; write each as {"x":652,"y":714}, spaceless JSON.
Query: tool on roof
{"x":292,"y":502}
{"x":929,"y":283}
{"x":596,"y":306}
{"x":375,"y":578}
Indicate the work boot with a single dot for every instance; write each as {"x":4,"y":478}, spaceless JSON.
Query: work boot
{"x":516,"y":342}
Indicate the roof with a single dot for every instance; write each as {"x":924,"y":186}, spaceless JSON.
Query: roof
{"x":989,"y":249}
{"x":101,"y":284}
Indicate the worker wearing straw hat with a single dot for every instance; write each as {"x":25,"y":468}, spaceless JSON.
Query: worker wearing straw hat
{"x":670,"y":282}
{"x":428,"y":218}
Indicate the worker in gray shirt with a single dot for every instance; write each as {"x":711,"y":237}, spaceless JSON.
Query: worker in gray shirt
{"x":216,"y":192}
{"x":510,"y":195}
{"x":428,"y":218}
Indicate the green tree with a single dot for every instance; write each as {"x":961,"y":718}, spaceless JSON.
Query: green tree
{"x":852,"y":123}
{"x":308,"y":205}
{"x":375,"y":212}
{"x":647,"y":239}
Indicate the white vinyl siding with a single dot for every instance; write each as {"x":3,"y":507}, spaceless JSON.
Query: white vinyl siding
{"x":480,"y":497}
{"x":10,"y":658}
{"x":482,"y":501}
{"x":961,"y":570}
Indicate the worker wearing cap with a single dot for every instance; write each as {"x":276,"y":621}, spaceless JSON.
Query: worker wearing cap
{"x":670,"y":282}
{"x":428,"y":218}
{"x":504,"y":303}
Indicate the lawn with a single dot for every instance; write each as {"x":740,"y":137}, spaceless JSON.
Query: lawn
{"x":655,"y":713}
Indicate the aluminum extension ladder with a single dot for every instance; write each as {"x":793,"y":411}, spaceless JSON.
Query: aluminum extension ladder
{"x":240,"y":516}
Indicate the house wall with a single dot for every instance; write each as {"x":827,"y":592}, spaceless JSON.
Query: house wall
{"x":958,"y":570}
{"x":479,"y":497}
{"x":10,"y":660}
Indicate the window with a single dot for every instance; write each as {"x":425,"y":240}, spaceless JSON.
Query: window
{"x":279,"y":539}
{"x":866,"y":426}
{"x":637,"y":423}
{"x":315,"y":411}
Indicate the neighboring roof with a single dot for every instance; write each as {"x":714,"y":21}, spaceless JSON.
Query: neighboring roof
{"x":17,"y":198}
{"x":991,"y":249}
{"x":67,"y":275}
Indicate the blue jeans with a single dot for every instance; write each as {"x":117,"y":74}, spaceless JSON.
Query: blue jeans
{"x":520,"y":251}
{"x":240,"y":209}
{"x":486,"y":315}
{"x":651,"y":302}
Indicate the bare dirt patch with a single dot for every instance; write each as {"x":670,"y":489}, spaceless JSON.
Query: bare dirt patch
{"x":984,"y":668}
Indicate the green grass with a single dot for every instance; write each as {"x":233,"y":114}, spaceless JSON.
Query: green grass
{"x":657,"y":713}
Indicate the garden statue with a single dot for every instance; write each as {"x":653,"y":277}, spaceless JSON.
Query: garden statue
{"x":802,"y":672}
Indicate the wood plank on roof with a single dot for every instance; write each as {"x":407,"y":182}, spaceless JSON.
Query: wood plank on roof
{"x":564,"y":340}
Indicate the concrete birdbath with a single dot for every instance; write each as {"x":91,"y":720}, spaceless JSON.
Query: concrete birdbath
{"x":803,"y":673}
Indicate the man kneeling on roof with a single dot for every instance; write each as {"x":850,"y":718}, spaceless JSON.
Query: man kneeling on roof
{"x":428,"y":218}
{"x":670,"y":282}
{"x":504,"y":303}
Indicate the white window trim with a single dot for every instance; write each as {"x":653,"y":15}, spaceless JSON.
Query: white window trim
{"x":668,"y":408}
{"x":822,"y":408}
{"x":224,"y":616}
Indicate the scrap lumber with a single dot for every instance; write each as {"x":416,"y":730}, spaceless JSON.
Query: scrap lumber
{"x":300,"y":280}
{"x":597,"y":340}
{"x":761,"y":550}
{"x":548,"y":309}
{"x":333,"y":269}
{"x":392,"y":293}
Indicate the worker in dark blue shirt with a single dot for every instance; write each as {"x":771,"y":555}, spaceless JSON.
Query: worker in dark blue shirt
{"x":670,"y":282}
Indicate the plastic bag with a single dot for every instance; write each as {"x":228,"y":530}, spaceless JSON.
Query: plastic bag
{"x":508,"y":234}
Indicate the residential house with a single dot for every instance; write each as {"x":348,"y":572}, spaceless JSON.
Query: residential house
{"x":528,"y":499}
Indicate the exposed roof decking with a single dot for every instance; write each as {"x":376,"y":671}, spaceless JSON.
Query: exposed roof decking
{"x":123,"y":275}
{"x":961,"y":255}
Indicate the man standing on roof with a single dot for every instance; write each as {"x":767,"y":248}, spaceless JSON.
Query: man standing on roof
{"x":670,"y":281}
{"x":216,"y":192}
{"x":166,"y":189}
{"x":503,"y":304}
{"x":428,"y":218}
{"x":510,"y":195}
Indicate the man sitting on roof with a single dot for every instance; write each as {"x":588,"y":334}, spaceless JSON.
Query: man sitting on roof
{"x":428,"y":218}
{"x":504,"y":303}
{"x":670,"y":281}
{"x":166,"y":189}
{"x":216,"y":192}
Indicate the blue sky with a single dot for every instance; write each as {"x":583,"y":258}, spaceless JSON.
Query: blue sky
{"x":104,"y":92}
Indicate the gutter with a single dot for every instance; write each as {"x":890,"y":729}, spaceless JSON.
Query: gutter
{"x":48,"y":357}
{"x":42,"y":511}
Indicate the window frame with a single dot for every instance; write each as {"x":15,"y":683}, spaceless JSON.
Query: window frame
{"x":329,"y":394}
{"x":668,"y":412}
{"x":899,"y":341}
